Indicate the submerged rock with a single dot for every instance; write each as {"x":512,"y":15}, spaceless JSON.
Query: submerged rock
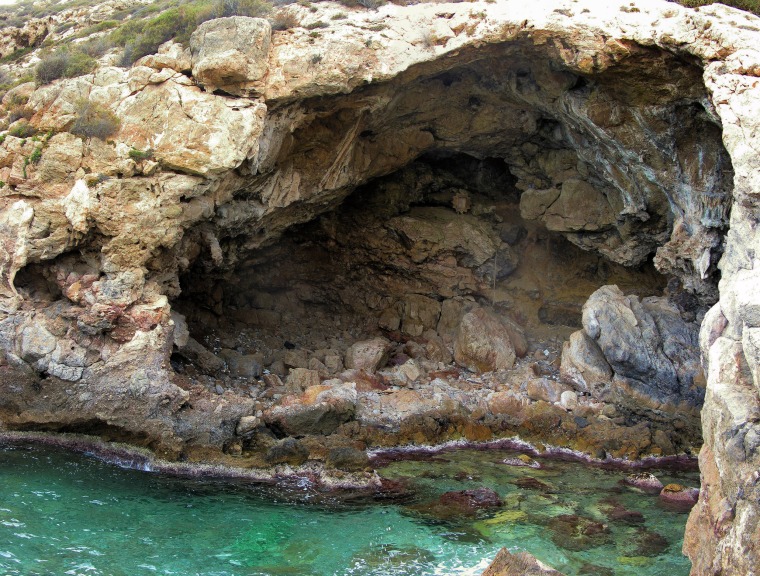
{"x":644,"y":481}
{"x":577,"y":533}
{"x":679,"y":497}
{"x":522,"y":564}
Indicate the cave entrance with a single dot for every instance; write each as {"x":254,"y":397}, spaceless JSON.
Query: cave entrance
{"x":401,"y":258}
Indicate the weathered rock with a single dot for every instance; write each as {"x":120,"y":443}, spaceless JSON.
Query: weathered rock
{"x":367,"y":355}
{"x":579,"y":207}
{"x":635,"y":103}
{"x":584,"y":366}
{"x":644,"y":481}
{"x":287,"y":451}
{"x":679,"y":497}
{"x":299,"y":379}
{"x":482,"y":343}
{"x":347,"y":458}
{"x":231,"y":54}
{"x":651,"y":350}
{"x":522,"y":564}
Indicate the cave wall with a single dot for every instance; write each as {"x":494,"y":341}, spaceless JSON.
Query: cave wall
{"x":587,"y":105}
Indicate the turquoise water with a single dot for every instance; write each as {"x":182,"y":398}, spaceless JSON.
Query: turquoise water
{"x":68,"y":514}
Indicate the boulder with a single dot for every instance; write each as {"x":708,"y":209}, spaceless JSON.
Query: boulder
{"x":319,"y":411}
{"x":287,"y":451}
{"x":584,"y":366}
{"x":652,"y":351}
{"x":521,"y":564}
{"x":579,"y":207}
{"x":680,"y":498}
{"x":299,"y":379}
{"x":482,"y":343}
{"x":367,"y":355}
{"x":231,"y":54}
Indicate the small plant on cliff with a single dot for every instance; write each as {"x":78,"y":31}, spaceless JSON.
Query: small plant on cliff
{"x":64,"y":63}
{"x":748,"y":5}
{"x":140,"y":155}
{"x":141,"y":37}
{"x":94,"y":121}
{"x":22,"y":130}
{"x":36,"y":155}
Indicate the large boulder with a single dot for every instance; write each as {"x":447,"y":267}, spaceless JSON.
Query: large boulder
{"x":319,"y":411}
{"x":652,"y":351}
{"x":231,"y":54}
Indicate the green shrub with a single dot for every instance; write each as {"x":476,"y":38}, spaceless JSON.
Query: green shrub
{"x":17,"y":112}
{"x":22,"y":130}
{"x":64,"y":63}
{"x":36,"y":155}
{"x":141,"y":37}
{"x":317,"y":24}
{"x":95,"y":28}
{"x":94,"y":121}
{"x":284,"y":21}
{"x":140,"y":155}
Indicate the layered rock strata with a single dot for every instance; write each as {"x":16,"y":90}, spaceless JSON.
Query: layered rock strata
{"x":308,"y":244}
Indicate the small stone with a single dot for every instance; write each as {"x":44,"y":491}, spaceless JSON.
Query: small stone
{"x":219,"y":390}
{"x":568,"y":400}
{"x":247,"y":424}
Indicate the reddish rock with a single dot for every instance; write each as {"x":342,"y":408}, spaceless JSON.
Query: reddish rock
{"x":679,"y":497}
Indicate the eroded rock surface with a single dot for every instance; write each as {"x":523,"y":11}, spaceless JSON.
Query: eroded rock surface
{"x":304,"y":194}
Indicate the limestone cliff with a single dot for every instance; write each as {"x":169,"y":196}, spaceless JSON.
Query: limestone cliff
{"x":384,"y":210}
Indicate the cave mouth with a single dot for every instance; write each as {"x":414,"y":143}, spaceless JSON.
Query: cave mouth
{"x":433,"y":237}
{"x":401,"y":258}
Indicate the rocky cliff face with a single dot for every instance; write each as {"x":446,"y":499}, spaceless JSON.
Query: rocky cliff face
{"x":400,"y":214}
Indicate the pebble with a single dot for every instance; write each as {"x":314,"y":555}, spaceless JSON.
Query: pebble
{"x":219,"y":389}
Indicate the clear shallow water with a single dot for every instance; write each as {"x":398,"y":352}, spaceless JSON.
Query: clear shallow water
{"x":66,"y":514}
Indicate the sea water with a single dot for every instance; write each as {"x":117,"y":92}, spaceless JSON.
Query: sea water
{"x":69,"y":514}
